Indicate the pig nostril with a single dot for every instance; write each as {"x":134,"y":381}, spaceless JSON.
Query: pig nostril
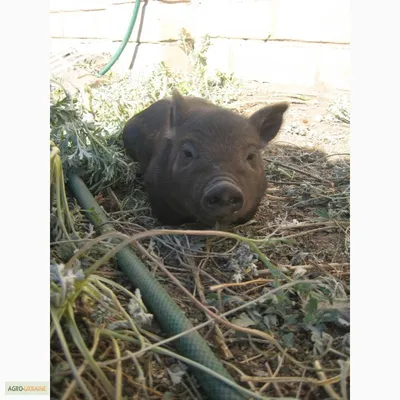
{"x":235,"y":200}
{"x":213,"y":200}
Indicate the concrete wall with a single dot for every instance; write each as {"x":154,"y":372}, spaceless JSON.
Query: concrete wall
{"x":300,"y":42}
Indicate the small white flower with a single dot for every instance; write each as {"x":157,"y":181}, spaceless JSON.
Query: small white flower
{"x":138,"y":312}
{"x":237,"y":277}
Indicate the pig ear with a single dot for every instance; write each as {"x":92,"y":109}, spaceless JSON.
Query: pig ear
{"x":268,"y":121}
{"x":176,"y":113}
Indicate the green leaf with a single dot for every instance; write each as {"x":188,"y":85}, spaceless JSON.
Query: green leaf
{"x":212,"y":299}
{"x":290,"y":320}
{"x":310,"y":309}
{"x":243,"y":320}
{"x":288,"y":340}
{"x":270,"y":320}
{"x":322,"y":213}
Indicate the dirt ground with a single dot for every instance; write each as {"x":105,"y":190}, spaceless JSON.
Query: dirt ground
{"x":313,"y":142}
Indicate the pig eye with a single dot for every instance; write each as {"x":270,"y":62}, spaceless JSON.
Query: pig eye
{"x":188,"y":153}
{"x":251,"y":157}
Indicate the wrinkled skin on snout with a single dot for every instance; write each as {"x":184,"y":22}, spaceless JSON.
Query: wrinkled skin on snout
{"x":201,"y":162}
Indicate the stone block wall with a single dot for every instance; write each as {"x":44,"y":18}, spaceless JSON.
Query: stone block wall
{"x":300,"y":42}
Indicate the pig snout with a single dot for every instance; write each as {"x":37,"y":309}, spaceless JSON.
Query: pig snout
{"x":222,"y":199}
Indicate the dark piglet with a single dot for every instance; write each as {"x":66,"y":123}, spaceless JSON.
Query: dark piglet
{"x":200,"y":161}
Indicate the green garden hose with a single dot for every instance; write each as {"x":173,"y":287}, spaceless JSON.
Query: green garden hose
{"x":171,"y":318}
{"x":125,"y":40}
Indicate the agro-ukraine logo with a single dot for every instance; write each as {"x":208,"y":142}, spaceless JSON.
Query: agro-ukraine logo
{"x":15,"y":388}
